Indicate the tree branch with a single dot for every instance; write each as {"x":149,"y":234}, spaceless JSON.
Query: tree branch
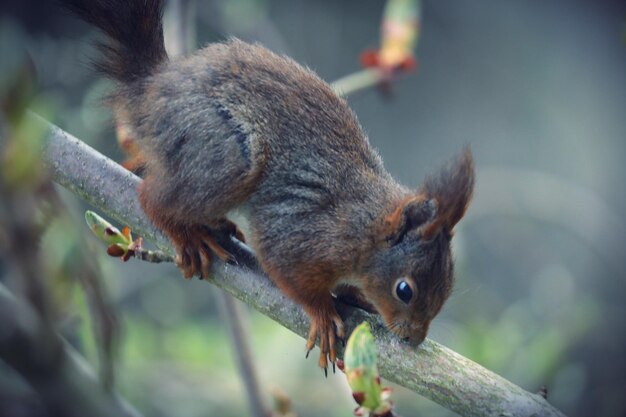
{"x":65,"y":382}
{"x":431,"y":370}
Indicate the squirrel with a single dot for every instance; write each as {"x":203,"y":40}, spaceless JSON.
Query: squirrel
{"x":236,"y":126}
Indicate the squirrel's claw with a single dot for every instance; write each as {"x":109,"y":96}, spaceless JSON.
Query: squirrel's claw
{"x":328,"y":329}
{"x":193,"y":259}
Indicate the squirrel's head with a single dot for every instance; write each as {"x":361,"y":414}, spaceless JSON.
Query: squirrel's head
{"x":411,"y":275}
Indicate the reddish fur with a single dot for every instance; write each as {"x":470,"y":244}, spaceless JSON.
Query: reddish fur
{"x":311,"y":289}
{"x":127,"y":142}
{"x":134,"y":164}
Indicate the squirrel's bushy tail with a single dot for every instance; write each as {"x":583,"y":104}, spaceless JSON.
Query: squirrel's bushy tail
{"x":135,"y":35}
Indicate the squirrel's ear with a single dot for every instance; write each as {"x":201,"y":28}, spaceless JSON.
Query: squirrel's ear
{"x":410,"y":214}
{"x":452,"y":190}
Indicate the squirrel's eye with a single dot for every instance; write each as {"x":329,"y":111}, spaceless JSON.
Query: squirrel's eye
{"x":404,"y":291}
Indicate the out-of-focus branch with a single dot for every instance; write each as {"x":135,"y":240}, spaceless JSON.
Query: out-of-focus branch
{"x":29,"y":342}
{"x":66,"y":384}
{"x":237,"y":328}
{"x":179,"y":26}
{"x":431,"y":370}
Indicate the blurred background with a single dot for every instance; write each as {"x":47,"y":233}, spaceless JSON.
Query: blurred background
{"x":536,"y":88}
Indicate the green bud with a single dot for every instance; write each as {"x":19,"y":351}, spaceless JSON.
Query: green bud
{"x":106,"y":232}
{"x":362,"y":373}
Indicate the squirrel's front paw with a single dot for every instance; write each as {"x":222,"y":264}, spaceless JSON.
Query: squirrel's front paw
{"x":327,"y":328}
{"x":195,"y":248}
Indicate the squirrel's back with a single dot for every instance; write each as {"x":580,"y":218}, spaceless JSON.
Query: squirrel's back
{"x":271,"y":104}
{"x":278,"y":113}
{"x":282,"y":119}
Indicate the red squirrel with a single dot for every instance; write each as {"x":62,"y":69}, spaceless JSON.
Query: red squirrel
{"x":235,"y":126}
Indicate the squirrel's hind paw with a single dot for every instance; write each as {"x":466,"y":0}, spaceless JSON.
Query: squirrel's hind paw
{"x":328,"y":329}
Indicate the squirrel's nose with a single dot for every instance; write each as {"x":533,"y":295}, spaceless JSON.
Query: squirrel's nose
{"x":414,"y":341}
{"x":417,"y":337}
{"x":417,"y":340}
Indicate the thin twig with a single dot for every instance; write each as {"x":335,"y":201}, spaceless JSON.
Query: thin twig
{"x":152,"y":256}
{"x":65,"y":383}
{"x":355,"y":82}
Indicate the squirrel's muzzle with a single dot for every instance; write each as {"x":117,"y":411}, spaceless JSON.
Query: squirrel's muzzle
{"x":417,"y":336}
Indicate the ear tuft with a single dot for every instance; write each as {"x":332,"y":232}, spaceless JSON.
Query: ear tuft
{"x":452,"y":189}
